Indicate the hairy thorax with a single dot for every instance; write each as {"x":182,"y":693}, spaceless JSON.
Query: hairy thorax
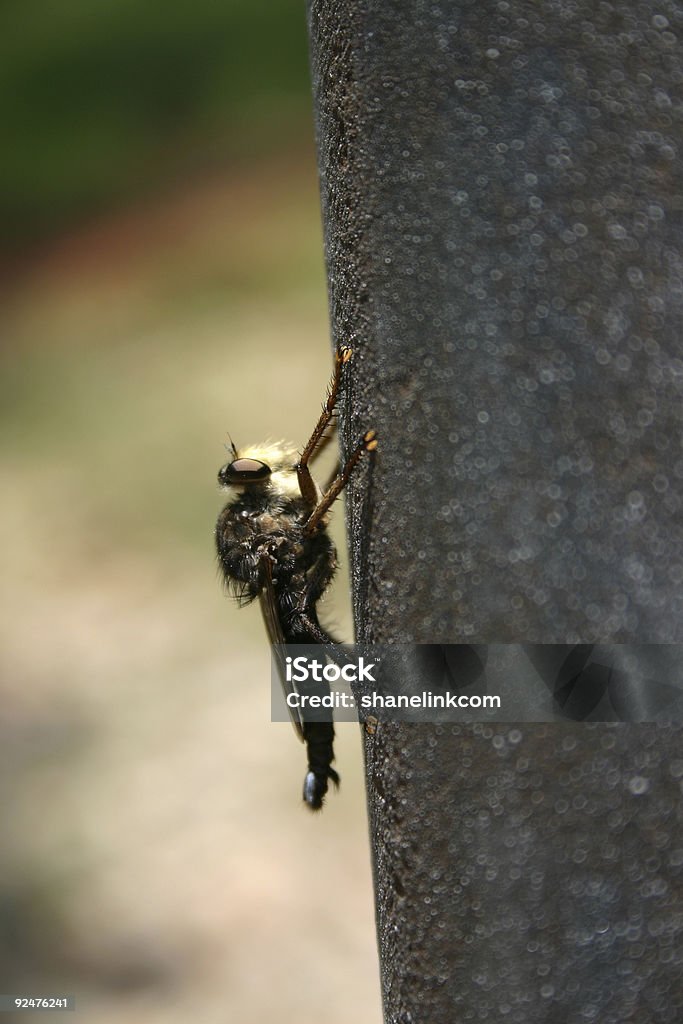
{"x":255,"y":538}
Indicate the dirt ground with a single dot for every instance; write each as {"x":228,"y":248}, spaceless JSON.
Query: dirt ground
{"x":156,"y":860}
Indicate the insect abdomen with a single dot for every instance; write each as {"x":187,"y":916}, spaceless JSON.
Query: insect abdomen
{"x":319,"y":737}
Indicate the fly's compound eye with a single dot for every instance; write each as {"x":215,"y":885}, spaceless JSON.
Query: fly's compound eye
{"x":244,"y":471}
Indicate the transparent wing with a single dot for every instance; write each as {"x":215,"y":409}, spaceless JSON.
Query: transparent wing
{"x":276,"y":637}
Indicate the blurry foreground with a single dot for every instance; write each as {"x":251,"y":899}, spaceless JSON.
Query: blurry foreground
{"x":156,"y":860}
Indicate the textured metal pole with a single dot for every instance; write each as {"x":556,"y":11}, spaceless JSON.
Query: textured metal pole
{"x":501,"y":195}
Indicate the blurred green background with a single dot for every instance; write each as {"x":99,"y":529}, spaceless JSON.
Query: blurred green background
{"x":162,"y":284}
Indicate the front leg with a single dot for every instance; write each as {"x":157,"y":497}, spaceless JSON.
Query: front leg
{"x":306,"y":484}
{"x":368,"y":443}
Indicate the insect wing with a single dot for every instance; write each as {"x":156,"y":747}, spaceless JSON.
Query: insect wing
{"x":276,"y":637}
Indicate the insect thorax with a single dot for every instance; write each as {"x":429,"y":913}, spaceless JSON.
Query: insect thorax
{"x":256,"y":535}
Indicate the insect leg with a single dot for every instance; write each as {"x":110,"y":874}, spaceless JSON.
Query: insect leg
{"x":306,"y":485}
{"x":368,"y":443}
{"x":315,"y":633}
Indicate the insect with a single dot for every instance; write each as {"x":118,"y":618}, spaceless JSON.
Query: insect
{"x":273,"y":543}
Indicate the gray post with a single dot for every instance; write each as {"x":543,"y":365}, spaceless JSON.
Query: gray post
{"x":501,"y":197}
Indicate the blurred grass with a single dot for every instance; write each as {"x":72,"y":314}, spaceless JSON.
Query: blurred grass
{"x":106,"y":101}
{"x":162,"y":283}
{"x":87,"y":338}
{"x":155,"y":858}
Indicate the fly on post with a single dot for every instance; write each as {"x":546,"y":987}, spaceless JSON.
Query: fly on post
{"x":273,"y":544}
